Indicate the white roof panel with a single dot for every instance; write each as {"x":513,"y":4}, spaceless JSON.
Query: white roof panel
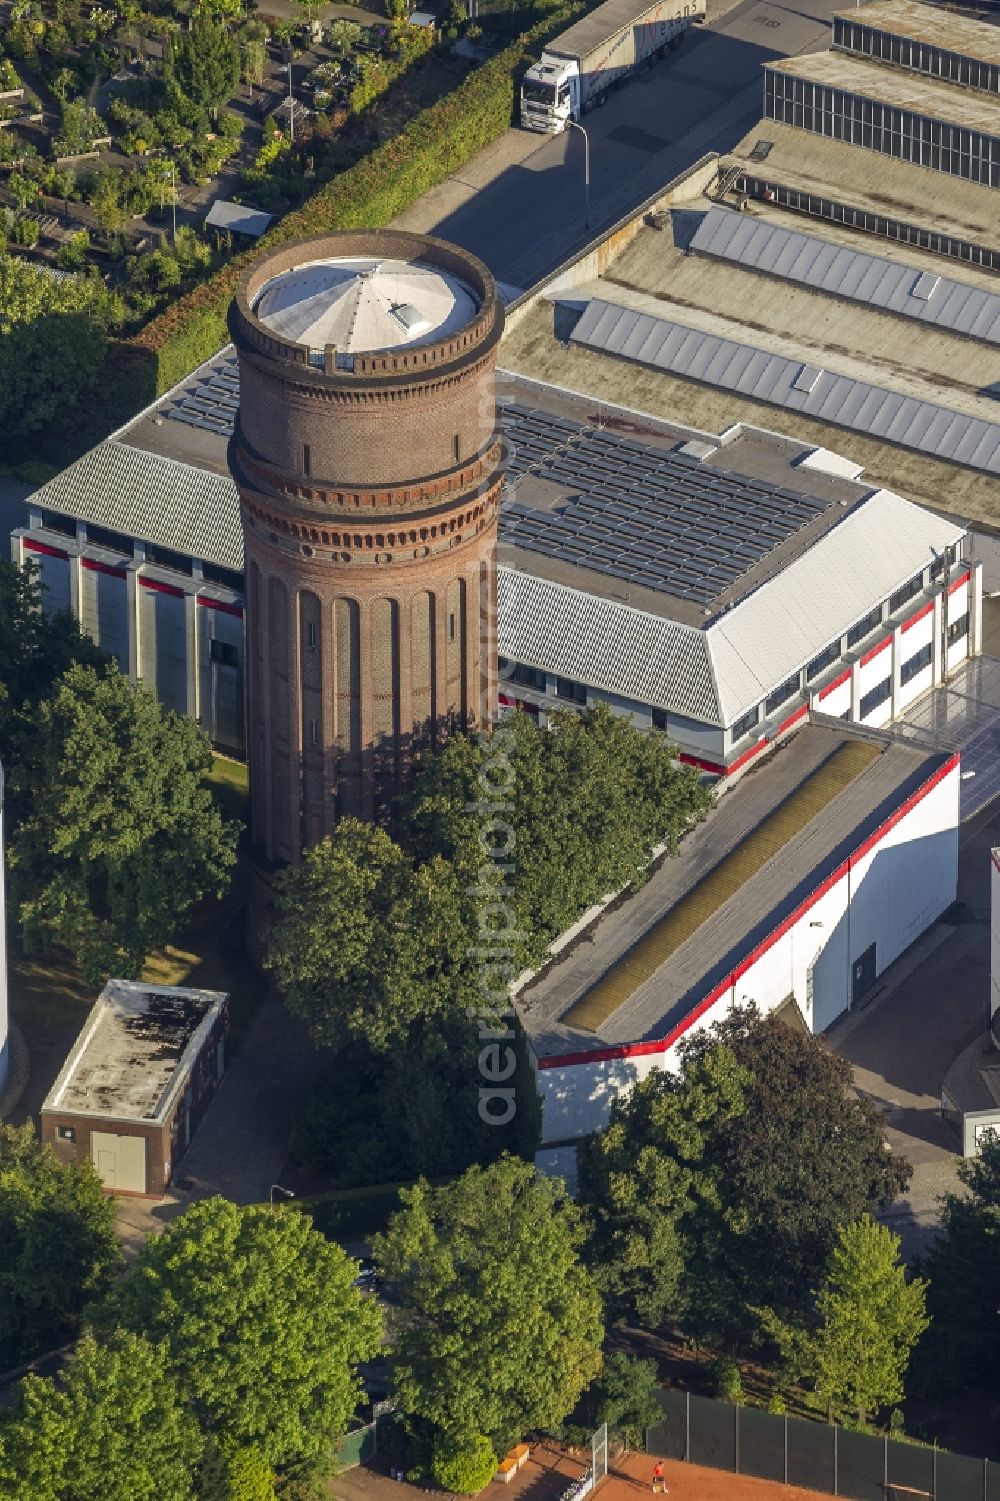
{"x":759,"y":245}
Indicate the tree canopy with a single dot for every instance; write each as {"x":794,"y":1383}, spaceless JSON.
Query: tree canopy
{"x":261,"y":1324}
{"x":715,"y":1195}
{"x":35,"y":651}
{"x":113,"y":1427}
{"x":868,"y":1317}
{"x":53,"y":337}
{"x":59,"y":1248}
{"x":500,"y":1328}
{"x":204,"y":67}
{"x":963,"y":1265}
{"x":120,"y":835}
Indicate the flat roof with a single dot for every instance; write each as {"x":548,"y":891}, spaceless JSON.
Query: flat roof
{"x":898,"y":87}
{"x":931,"y":24}
{"x":857,"y":798}
{"x":135,"y":1051}
{"x":246,"y":221}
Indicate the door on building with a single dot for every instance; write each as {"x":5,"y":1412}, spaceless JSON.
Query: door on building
{"x":120,"y":1161}
{"x":863,"y":974}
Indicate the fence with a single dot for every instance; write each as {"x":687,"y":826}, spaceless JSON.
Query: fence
{"x":817,"y":1456}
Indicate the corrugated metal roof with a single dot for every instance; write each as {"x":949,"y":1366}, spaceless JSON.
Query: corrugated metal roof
{"x":783,"y":625}
{"x":843,"y":272}
{"x":784,"y":382}
{"x":157,"y":500}
{"x":641,"y":962}
{"x":931,"y":24}
{"x":246,"y":221}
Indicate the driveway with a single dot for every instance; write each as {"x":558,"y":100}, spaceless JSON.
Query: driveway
{"x":929,"y":1007}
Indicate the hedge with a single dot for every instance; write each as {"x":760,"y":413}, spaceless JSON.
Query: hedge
{"x":437,"y":142}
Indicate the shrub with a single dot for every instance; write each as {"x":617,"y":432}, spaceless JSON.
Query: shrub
{"x":727,"y":1383}
{"x":463,"y":1463}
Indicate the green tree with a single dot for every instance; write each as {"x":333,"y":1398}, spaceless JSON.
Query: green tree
{"x":963,"y":1265}
{"x":500,"y":1327}
{"x":626,"y":1397}
{"x":364,"y":944}
{"x":120,"y":834}
{"x":107,"y":198}
{"x":803,"y":1158}
{"x":113,"y":1427}
{"x":72,"y":254}
{"x":649,"y":1189}
{"x":35,"y":650}
{"x":52,"y":344}
{"x":59,"y":1248}
{"x":870,"y":1317}
{"x":24,"y":190}
{"x":204,"y":68}
{"x":79,"y":128}
{"x":463,"y":1465}
{"x":260,"y":1322}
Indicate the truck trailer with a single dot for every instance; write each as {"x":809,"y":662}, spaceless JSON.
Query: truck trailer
{"x":581,"y":66}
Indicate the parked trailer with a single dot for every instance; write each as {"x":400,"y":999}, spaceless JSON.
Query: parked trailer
{"x":579,"y":68}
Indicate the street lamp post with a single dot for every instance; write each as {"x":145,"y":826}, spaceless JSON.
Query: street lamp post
{"x":586,"y":171}
{"x":173,"y":198}
{"x":277,"y":1188}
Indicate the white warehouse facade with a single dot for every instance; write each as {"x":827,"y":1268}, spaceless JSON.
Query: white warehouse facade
{"x":716,"y":587}
{"x":833,"y":859}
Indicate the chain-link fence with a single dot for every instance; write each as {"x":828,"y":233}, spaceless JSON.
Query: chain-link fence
{"x":817,"y":1456}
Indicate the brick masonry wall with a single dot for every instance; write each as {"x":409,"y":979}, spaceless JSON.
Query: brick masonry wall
{"x":370,"y":559}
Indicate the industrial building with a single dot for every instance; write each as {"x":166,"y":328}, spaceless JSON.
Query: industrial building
{"x":615,"y":579}
{"x":799,"y":889}
{"x":137,"y":1081}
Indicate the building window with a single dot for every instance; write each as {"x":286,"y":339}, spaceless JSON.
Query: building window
{"x":223,"y":652}
{"x":575,"y":692}
{"x":782,"y":694}
{"x":167,"y":558}
{"x":943,"y":560}
{"x":451,"y":626}
{"x":457,"y":445}
{"x":102,"y":536}
{"x":910,"y":588}
{"x":864,"y":627}
{"x":659,"y":717}
{"x":529,"y":677}
{"x":822,"y":662}
{"x":306,"y":460}
{"x":311,"y":635}
{"x":66,"y":1133}
{"x":915,"y":664}
{"x":874,"y":697}
{"x":224,"y":576}
{"x":313,"y":733}
{"x":958,"y":628}
{"x":55,"y":521}
{"x":745,"y":725}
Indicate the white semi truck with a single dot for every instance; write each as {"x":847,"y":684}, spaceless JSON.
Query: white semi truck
{"x":578,"y":69}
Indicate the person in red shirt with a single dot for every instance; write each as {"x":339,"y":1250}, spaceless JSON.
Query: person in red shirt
{"x":659,"y":1483}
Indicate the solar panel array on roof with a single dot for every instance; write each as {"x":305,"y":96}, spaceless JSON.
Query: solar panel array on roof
{"x":844,"y":272}
{"x":838,"y":399}
{"x":651,"y":516}
{"x":210,"y":398}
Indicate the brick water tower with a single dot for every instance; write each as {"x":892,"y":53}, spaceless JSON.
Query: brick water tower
{"x":369,"y":466}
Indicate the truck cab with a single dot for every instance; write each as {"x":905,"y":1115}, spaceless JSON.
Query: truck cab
{"x":550,"y":94}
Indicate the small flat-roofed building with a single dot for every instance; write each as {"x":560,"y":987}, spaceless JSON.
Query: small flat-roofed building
{"x":801,"y":886}
{"x":237,"y":218}
{"x":136,"y":1083}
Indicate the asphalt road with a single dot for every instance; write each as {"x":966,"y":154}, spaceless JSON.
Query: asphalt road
{"x":529,"y":216}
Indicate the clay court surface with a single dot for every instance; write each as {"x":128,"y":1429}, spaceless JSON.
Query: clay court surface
{"x":550,"y":1470}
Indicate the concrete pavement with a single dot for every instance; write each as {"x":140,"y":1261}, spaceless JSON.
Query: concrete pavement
{"x":929,"y":1007}
{"x":520,"y":203}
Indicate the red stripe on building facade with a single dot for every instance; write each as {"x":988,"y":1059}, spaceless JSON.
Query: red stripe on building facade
{"x":713,"y":766}
{"x":845,"y":677}
{"x":959,"y":583}
{"x":159,"y":588}
{"x":45,"y":549}
{"x":920,"y":615}
{"x":92,"y":565}
{"x":786,"y":724}
{"x":663,"y":1045}
{"x":870,"y":656}
{"x":747,"y":755}
{"x":221,"y":605}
